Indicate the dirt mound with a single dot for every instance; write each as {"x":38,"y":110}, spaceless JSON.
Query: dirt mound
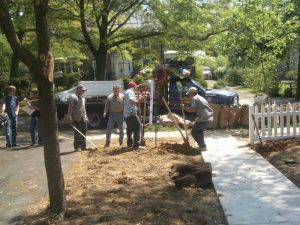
{"x":176,"y":148}
{"x":284,"y":155}
{"x":124,"y":186}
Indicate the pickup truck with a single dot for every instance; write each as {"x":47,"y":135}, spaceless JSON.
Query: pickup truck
{"x":95,"y":96}
{"x":177,"y":82}
{"x":217,"y":96}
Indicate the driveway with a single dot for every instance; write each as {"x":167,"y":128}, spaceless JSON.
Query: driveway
{"x":22,"y":172}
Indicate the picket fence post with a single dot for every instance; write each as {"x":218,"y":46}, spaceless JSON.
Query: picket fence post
{"x":274,"y":121}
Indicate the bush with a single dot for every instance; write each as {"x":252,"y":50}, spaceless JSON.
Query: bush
{"x":3,"y":84}
{"x":199,"y":76}
{"x":235,"y":76}
{"x":287,"y":89}
{"x":220,"y":84}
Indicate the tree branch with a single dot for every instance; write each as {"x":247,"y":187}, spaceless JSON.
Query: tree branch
{"x":114,"y":17}
{"x":203,"y":38}
{"x":98,"y":17}
{"x":78,"y":40}
{"x":134,"y":38}
{"x":84,"y":29}
{"x":111,"y":31}
{"x":7,"y":27}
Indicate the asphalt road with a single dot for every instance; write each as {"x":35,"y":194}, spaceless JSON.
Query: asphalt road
{"x":22,"y":172}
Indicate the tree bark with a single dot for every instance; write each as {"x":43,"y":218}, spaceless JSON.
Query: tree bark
{"x":15,"y":62}
{"x":298,"y":75}
{"x":48,"y":112}
{"x":14,"y":67}
{"x":101,"y":64}
{"x":53,"y":167}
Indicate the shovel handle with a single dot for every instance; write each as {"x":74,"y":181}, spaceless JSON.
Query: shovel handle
{"x":183,"y":114}
{"x":84,"y":136}
{"x":173,"y":119}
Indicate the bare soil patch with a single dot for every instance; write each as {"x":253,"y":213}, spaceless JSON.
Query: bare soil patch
{"x":123,"y":186}
{"x":284,"y":155}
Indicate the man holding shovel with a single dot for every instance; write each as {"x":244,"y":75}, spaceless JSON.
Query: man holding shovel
{"x":77,"y":117}
{"x":204,"y":116}
{"x":131,"y":118}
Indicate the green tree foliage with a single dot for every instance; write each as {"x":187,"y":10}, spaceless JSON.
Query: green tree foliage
{"x":188,"y":25}
{"x":102,"y":25}
{"x":259,"y":32}
{"x":5,"y":55}
{"x":105,"y":25}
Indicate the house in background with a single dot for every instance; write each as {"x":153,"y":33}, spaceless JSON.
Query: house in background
{"x":65,"y":65}
{"x":117,"y":66}
{"x":170,"y":55}
{"x":120,"y":66}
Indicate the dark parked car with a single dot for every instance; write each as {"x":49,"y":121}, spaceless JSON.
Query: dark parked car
{"x":217,"y":96}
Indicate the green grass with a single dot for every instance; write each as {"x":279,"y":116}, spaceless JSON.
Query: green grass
{"x":151,"y":128}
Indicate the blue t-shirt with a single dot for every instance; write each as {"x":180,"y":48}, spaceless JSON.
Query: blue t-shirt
{"x":11,"y":104}
{"x":129,"y":109}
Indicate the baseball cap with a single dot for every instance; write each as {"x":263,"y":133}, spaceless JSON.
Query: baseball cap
{"x":82,"y":87}
{"x":131,"y":84}
{"x":192,"y":90}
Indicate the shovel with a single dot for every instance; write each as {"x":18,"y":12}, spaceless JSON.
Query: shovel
{"x":84,"y":137}
{"x":256,"y":128}
{"x":183,"y":113}
{"x":184,"y":139}
{"x":142,"y":142}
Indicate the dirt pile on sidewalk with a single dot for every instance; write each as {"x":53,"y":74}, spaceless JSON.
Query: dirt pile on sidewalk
{"x":122,"y":186}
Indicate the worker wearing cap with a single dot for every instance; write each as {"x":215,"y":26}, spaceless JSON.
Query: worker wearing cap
{"x":77,"y":117}
{"x":133,"y":124}
{"x":204,"y":116}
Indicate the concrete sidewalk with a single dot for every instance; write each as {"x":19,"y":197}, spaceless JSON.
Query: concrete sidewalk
{"x":250,"y":189}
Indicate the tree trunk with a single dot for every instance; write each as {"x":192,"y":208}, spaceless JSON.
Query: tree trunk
{"x":298,"y":75}
{"x":47,"y":106}
{"x":14,"y":67}
{"x":15,"y":62}
{"x":101,"y":63}
{"x":54,"y":171}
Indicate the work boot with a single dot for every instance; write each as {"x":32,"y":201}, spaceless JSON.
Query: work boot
{"x":202,"y":149}
{"x":138,"y":148}
{"x":106,"y":145}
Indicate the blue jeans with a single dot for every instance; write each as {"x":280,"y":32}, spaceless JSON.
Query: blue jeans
{"x":11,"y":131}
{"x":133,"y":126}
{"x":198,"y":133}
{"x":35,"y":131}
{"x":115,"y":117}
{"x":79,"y":140}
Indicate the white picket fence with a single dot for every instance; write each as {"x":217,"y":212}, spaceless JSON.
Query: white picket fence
{"x":273,"y":122}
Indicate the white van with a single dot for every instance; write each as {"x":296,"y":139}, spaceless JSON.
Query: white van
{"x":96,"y":94}
{"x":94,"y":89}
